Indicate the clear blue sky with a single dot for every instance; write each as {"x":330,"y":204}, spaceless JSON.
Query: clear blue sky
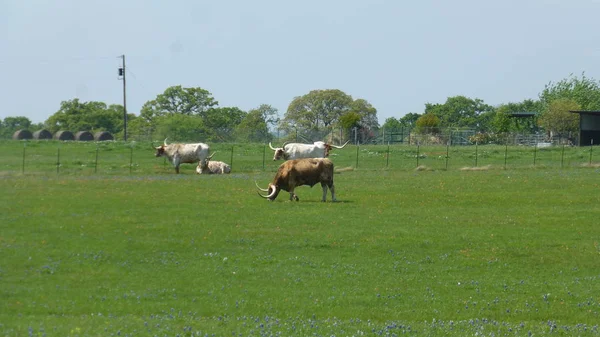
{"x":398,"y":55}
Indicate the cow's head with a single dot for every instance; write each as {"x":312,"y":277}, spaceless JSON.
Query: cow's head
{"x":272,"y":191}
{"x":328,"y":148}
{"x":279,"y":152}
{"x":160,"y":150}
{"x":203,"y":164}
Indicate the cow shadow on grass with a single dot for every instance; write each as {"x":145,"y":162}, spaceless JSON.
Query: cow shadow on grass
{"x":321,"y":202}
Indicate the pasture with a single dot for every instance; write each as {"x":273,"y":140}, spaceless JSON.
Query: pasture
{"x":135,"y":158}
{"x":496,"y":252}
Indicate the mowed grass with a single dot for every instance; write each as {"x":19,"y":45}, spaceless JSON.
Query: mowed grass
{"x":403,"y":252}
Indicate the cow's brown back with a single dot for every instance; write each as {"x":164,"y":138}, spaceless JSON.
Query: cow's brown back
{"x":306,"y":171}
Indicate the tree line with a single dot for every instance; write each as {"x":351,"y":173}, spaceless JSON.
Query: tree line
{"x":194,"y":114}
{"x":551,"y":112}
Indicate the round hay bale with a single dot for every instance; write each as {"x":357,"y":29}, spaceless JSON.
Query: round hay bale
{"x":84,"y":136}
{"x":103,"y":135}
{"x":42,"y":134}
{"x":22,"y":134}
{"x":64,"y":135}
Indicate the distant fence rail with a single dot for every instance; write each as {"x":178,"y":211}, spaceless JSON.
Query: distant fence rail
{"x":335,"y":135}
{"x":115,"y":157}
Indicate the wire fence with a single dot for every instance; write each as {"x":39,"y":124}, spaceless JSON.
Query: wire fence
{"x":365,"y":136}
{"x":121,"y":158}
{"x":335,"y":135}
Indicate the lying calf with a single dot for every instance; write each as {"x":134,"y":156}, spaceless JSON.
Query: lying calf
{"x":208,"y":166}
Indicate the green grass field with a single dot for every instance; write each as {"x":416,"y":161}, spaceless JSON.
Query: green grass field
{"x":404,"y":252}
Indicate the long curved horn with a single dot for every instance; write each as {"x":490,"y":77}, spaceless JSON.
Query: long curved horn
{"x":210,"y":157}
{"x":284,"y":144}
{"x":271,"y":194}
{"x":271,"y":146}
{"x":339,"y":147}
{"x":262,"y":196}
{"x":262,"y":189}
{"x":274,"y":191}
{"x":166,"y":141}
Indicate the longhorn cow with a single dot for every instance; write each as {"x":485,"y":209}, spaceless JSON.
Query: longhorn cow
{"x":178,"y":153}
{"x":208,"y":166}
{"x":299,"y":172}
{"x":298,"y":150}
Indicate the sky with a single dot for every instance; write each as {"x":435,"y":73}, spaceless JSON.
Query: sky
{"x":397,"y":55}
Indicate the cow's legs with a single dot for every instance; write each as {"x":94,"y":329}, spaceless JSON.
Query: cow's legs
{"x":293,"y":195}
{"x":176,"y":163}
{"x":332,"y":188}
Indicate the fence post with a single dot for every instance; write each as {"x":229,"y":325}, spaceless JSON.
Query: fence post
{"x":96,"y":162}
{"x":505,"y":152}
{"x":357,"y":148}
{"x":264,"y":154}
{"x":387,"y":163}
{"x":591,"y":147}
{"x":418,"y":146}
{"x":131,"y":158}
{"x":476,"y":152}
{"x":562,"y":156}
{"x":231,"y":160}
{"x":58,"y":160}
{"x":448,"y":151}
{"x":534,"y":153}
{"x":23,"y":167}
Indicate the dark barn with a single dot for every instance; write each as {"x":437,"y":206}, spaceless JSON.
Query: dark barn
{"x":589,"y":127}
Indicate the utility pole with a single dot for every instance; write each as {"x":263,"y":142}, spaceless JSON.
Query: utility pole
{"x":122,"y":77}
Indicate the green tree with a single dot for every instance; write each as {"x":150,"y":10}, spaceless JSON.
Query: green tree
{"x":367,"y":113}
{"x":459,"y":111}
{"x":141,"y":129}
{"x":317,"y":109}
{"x":11,"y":124}
{"x":350,"y":120}
{"x":392,"y":123}
{"x":557,"y":118}
{"x":254,"y":126}
{"x":428,"y":124}
{"x":179,"y":127}
{"x":178,"y":100}
{"x":92,"y":116}
{"x":582,"y":90}
{"x":221,"y":122}
{"x":268,"y":113}
{"x":502,"y":121}
{"x":409,"y":120}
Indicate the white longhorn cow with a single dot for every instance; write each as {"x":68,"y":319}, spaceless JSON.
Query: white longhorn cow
{"x":178,"y":153}
{"x":299,"y":150}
